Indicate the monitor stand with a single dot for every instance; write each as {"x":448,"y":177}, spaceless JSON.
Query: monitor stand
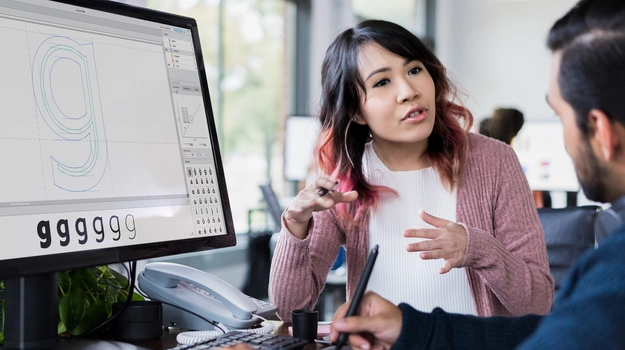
{"x":31,"y":312}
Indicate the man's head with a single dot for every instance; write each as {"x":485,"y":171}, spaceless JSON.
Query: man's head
{"x":506,"y":124}
{"x":587,"y":91}
{"x":484,"y":127}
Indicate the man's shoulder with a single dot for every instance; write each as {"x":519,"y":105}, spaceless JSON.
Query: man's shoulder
{"x":587,"y":310}
{"x":608,"y":260}
{"x":614,"y":243}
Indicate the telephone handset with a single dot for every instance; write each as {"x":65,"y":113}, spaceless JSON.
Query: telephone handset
{"x":197,"y":292}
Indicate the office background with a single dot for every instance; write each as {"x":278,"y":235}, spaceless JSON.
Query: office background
{"x":263,"y":60}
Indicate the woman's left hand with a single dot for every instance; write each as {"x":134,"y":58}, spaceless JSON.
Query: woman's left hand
{"x":447,"y":240}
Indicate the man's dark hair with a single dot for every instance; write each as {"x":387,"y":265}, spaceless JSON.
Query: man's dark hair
{"x":505,"y":124}
{"x":484,"y":127}
{"x":591,"y":37}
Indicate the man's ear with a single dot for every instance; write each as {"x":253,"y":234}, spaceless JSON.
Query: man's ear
{"x":605,"y":133}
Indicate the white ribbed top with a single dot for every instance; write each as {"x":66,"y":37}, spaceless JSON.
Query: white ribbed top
{"x":401,"y":276}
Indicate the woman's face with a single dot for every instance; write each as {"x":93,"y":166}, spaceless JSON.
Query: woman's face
{"x":399,"y":102}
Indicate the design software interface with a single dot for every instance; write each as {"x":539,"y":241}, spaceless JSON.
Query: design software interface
{"x":104,"y":139}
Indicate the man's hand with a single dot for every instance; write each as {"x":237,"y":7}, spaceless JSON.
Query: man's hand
{"x":377,"y":325}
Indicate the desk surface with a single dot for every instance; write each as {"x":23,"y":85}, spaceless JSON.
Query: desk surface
{"x":167,"y":341}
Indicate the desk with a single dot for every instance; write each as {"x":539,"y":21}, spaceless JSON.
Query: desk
{"x":167,"y":341}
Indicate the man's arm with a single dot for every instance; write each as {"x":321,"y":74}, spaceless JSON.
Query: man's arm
{"x":381,"y":324}
{"x":441,"y":330}
{"x":589,"y":309}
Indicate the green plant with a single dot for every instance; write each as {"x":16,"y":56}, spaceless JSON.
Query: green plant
{"x":2,"y":313}
{"x":86,"y":298}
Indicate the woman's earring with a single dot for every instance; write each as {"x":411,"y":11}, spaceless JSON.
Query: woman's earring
{"x":354,"y":119}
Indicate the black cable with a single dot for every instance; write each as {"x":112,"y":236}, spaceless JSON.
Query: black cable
{"x":132,"y":272}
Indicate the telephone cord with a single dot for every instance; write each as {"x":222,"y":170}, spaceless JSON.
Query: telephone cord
{"x":192,"y":337}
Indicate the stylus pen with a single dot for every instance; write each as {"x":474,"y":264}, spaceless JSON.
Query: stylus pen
{"x":360,"y":291}
{"x":321,"y":191}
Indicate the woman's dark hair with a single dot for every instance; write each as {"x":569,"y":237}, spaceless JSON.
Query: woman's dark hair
{"x":591,"y":38}
{"x":341,"y":143}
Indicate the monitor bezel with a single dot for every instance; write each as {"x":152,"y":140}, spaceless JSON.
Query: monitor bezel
{"x":35,"y":265}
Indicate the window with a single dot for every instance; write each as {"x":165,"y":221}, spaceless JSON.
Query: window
{"x":409,"y":14}
{"x":247,"y":55}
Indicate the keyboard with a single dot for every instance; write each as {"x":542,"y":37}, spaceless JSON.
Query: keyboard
{"x":256,"y":341}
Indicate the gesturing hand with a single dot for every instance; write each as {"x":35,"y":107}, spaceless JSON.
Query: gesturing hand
{"x":308,"y":200}
{"x":447,"y":240}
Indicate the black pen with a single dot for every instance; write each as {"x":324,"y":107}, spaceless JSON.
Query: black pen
{"x":360,"y":291}
{"x":321,"y":191}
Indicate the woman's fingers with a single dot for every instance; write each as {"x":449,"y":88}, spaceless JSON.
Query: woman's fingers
{"x":429,"y":233}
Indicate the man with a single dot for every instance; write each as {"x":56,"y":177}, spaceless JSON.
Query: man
{"x":587,"y":91}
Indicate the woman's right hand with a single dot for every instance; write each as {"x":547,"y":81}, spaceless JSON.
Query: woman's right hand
{"x":309,"y":200}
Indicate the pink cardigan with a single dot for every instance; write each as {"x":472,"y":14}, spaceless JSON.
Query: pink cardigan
{"x":506,"y":258}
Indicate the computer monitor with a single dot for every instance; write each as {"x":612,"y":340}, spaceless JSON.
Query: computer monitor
{"x":108,"y":148}
{"x":540,"y":149}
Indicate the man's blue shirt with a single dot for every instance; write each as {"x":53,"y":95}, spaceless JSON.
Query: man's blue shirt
{"x":588,"y":312}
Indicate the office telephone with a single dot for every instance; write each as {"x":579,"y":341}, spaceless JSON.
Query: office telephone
{"x":190,"y":297}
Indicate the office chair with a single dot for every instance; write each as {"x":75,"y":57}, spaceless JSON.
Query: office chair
{"x":273,"y":207}
{"x":261,"y":245}
{"x":569,"y":232}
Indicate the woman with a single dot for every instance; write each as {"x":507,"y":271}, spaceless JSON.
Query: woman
{"x":409,"y":177}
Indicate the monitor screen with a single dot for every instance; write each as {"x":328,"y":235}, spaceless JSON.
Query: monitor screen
{"x":540,"y":149}
{"x":107,"y":139}
{"x":108,"y":145}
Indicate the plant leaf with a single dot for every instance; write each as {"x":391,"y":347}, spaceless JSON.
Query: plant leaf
{"x":95,"y":315}
{"x":121,"y":279}
{"x":2,"y":315}
{"x":74,"y":306}
{"x":86,"y":297}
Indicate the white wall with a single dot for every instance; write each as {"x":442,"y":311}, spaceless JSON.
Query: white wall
{"x":495,"y":51}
